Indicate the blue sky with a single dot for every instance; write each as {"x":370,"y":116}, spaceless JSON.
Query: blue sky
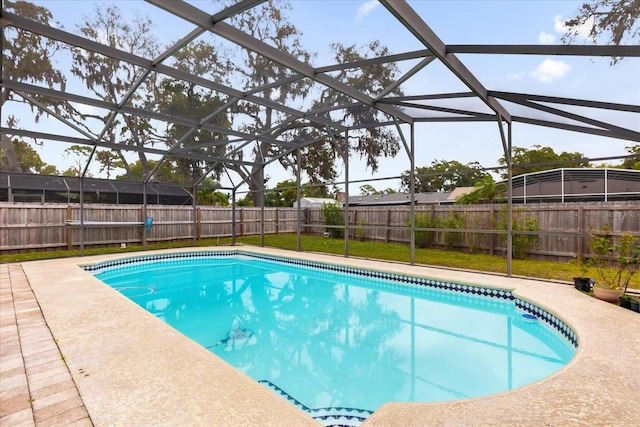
{"x":456,"y":22}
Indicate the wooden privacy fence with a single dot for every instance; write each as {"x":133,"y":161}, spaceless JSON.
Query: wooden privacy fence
{"x":562,"y":227}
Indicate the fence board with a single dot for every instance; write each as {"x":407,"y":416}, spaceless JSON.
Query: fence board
{"x":30,"y":226}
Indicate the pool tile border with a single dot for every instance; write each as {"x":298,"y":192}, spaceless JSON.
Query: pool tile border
{"x":540,"y":314}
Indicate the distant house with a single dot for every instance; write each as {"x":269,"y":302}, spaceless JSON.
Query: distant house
{"x":577,"y":185}
{"x":313,"y":202}
{"x":399,"y":199}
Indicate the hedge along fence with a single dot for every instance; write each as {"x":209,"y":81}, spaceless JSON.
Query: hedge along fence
{"x":562,"y":227}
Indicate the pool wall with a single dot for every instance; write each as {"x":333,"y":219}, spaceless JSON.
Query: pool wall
{"x":132,"y":369}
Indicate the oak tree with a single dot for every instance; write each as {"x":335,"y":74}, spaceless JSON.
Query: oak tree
{"x":614,"y":20}
{"x":28,"y":58}
{"x":443,"y":175}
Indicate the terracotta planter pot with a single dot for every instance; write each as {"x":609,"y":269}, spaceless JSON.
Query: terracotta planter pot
{"x":608,"y":295}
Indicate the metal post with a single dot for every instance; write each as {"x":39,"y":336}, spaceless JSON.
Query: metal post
{"x":562,"y":184}
{"x":233,"y":216}
{"x":81,"y":215}
{"x":194,"y":202}
{"x":144,"y":214}
{"x":345,"y":156}
{"x":412,"y":185}
{"x":606,"y":186}
{"x":298,"y":202}
{"x":509,"y":200}
{"x":262,"y":211}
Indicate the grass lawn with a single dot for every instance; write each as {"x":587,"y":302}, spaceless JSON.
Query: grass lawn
{"x":563,"y":271}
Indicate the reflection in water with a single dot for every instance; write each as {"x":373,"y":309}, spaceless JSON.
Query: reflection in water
{"x":333,"y":340}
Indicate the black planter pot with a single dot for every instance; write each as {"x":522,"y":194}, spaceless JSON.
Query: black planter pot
{"x":582,"y":283}
{"x":635,"y":306}
{"x":625,"y":302}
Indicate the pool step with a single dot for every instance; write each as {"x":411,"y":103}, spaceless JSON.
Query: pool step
{"x":329,"y":417}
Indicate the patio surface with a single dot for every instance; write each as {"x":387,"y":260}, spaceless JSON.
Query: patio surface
{"x":122,"y":366}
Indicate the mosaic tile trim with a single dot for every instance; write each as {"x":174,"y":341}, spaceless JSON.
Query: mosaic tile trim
{"x":329,"y":417}
{"x":456,"y":289}
{"x":100,"y":267}
{"x":394,"y":277}
{"x":552,"y":321}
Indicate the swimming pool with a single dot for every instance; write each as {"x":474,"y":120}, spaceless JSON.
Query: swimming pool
{"x":340,"y":341}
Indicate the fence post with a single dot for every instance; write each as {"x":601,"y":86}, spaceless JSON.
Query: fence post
{"x":241,"y":222}
{"x":198,"y":223}
{"x":69,"y":227}
{"x":143,"y":214}
{"x":277,"y":222}
{"x":355,"y":223}
{"x":579,"y":246}
{"x":492,"y":222}
{"x":388,"y":231}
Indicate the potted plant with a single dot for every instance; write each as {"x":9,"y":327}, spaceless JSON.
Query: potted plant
{"x":582,"y":283}
{"x":625,"y":301}
{"x":634,"y":303}
{"x":615,"y":262}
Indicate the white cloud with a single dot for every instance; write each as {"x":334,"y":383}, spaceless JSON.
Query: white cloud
{"x":583,"y":30}
{"x":545,"y":38}
{"x":550,"y":70}
{"x":558,"y":24}
{"x":366,"y":8}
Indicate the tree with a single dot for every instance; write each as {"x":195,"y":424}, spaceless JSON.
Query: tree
{"x":333,"y":217}
{"x":632,"y":162}
{"x":443,"y":175}
{"x":209,"y":196}
{"x":28,"y":159}
{"x":368,"y":190}
{"x":110,"y":79}
{"x":373,"y":142}
{"x":540,"y":158}
{"x":27,"y":57}
{"x":108,"y":160}
{"x":486,"y":190}
{"x":165,"y":173}
{"x":616,"y":20}
{"x":180,"y":98}
{"x":284,"y":195}
{"x":269,"y":23}
{"x":80,"y":154}
{"x":246,"y":201}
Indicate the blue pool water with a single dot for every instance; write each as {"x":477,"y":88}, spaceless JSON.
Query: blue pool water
{"x":337,"y":342}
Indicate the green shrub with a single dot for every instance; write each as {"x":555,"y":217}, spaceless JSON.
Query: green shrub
{"x":454,"y":220}
{"x":333,"y":216}
{"x":360,"y":233}
{"x":521,"y":243}
{"x":424,"y":239}
{"x":472,"y":240}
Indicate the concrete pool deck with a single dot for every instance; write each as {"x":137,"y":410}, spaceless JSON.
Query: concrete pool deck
{"x":127,"y":367}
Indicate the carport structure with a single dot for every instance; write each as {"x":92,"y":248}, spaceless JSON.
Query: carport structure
{"x":384,"y":108}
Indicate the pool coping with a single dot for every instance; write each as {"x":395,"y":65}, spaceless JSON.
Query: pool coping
{"x":123,"y":359}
